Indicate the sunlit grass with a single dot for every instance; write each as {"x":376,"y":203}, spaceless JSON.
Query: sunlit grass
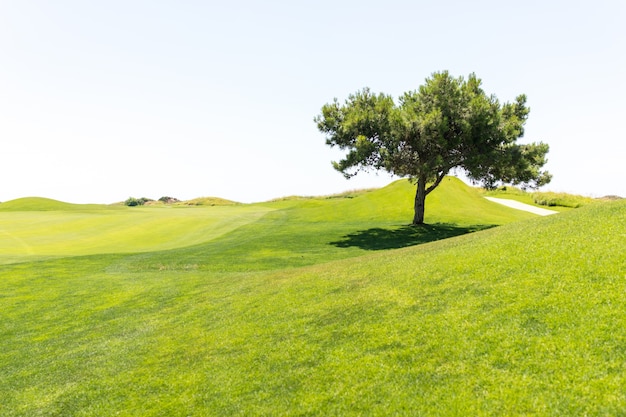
{"x":31,"y":235}
{"x":521,"y":319}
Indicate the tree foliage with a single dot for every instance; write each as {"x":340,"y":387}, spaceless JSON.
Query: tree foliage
{"x":133,"y":202}
{"x":447,"y":123}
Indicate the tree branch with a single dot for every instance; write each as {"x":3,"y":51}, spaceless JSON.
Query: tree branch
{"x":440,"y":176}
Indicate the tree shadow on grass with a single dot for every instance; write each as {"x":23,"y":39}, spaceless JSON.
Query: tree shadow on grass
{"x":404,"y":236}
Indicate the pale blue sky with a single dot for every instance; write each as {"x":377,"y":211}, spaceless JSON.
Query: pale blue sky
{"x":102,"y":100}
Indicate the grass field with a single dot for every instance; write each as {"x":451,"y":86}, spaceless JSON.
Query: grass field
{"x":34,"y":228}
{"x":319,"y":306}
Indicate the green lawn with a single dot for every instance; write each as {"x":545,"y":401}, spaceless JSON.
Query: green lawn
{"x":32,"y":229}
{"x":327,"y":306}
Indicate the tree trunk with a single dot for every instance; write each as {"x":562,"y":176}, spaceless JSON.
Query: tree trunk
{"x":420,"y":201}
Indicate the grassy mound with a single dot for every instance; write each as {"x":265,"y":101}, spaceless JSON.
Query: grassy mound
{"x":520,"y":319}
{"x":44,"y":204}
{"x":207,"y":201}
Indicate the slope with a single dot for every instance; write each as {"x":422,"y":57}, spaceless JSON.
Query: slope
{"x":522,"y":319}
{"x":301,"y":232}
{"x":277,"y":235}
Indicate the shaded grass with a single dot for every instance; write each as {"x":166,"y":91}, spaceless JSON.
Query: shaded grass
{"x":381,"y":239}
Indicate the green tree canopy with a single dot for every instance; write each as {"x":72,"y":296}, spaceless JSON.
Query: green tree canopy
{"x":447,"y":123}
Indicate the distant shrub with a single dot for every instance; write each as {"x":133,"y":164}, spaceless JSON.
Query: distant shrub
{"x":168,"y":200}
{"x":551,"y":199}
{"x":132,"y":201}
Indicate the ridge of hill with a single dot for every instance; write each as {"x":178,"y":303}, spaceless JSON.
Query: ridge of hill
{"x":452,"y":201}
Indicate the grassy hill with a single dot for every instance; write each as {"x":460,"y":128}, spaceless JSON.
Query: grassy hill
{"x":44,"y":204}
{"x":207,"y":201}
{"x":330,"y":307}
{"x":278,"y":234}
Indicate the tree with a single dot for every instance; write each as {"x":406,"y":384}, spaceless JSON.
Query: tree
{"x":447,"y":123}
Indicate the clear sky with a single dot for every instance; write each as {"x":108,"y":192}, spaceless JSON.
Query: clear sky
{"x":102,"y":100}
